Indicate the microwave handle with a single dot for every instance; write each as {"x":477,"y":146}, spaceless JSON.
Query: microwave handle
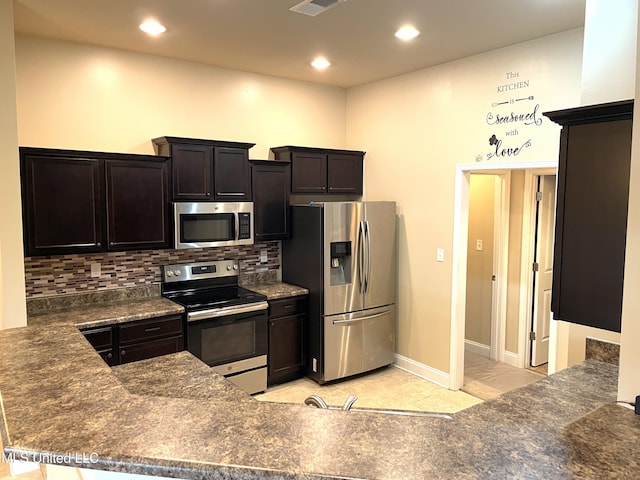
{"x":237,"y":217}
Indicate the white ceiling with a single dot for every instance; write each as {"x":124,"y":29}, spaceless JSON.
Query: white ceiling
{"x":263,"y":36}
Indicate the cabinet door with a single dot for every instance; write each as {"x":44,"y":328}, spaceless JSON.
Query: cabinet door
{"x":270,"y":182}
{"x":344,"y":174}
{"x":102,"y":339}
{"x":308,"y":173}
{"x":137,"y":204}
{"x":591,"y":224}
{"x":192,"y":171}
{"x":154,"y":348}
{"x":286,"y":352}
{"x":62,"y":205}
{"x":232,"y":174}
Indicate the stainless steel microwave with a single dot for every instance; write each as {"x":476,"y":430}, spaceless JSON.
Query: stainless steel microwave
{"x":207,"y":224}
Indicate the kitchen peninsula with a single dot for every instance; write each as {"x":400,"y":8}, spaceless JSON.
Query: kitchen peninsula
{"x":59,"y":397}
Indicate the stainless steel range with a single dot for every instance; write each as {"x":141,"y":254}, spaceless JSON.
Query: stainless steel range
{"x":226,"y":324}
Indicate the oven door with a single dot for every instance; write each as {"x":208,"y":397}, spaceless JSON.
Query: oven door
{"x":234,"y":336}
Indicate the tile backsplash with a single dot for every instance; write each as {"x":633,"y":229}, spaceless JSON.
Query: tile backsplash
{"x":63,"y":274}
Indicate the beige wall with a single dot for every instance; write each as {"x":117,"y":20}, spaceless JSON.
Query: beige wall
{"x":416,"y":128}
{"x":12,"y":292}
{"x":629,"y":380}
{"x":82,"y":97}
{"x":609,"y":53}
{"x":482,"y":203}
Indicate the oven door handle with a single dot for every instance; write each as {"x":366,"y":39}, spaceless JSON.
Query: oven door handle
{"x":224,"y":312}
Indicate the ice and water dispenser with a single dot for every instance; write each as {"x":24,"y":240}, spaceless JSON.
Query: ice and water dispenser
{"x":340,"y":263}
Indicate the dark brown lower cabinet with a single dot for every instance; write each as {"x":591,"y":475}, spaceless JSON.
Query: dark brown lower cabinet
{"x":102,"y":339}
{"x":138,"y":340}
{"x":287,"y":320}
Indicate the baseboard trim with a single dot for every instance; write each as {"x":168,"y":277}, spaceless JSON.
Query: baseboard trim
{"x":511,"y":358}
{"x":477,"y":348}
{"x":421,"y":370}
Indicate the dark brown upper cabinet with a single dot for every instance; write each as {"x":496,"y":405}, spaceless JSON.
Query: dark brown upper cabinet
{"x":591,"y":214}
{"x":323,"y":170}
{"x":137,"y":204}
{"x":62,"y":203}
{"x":83,"y":202}
{"x":207,"y":170}
{"x":271,"y":181}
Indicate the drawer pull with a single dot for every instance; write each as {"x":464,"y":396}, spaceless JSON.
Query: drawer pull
{"x":152,"y":329}
{"x":123,"y":352}
{"x":289,"y":305}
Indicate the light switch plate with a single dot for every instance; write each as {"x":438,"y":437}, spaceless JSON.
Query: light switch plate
{"x":479,"y":245}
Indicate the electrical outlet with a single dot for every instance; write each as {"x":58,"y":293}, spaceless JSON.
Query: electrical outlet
{"x":440,"y":255}
{"x":96,"y":270}
{"x":263,"y":256}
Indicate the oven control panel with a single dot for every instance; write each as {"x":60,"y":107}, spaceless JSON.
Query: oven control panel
{"x":195,"y":271}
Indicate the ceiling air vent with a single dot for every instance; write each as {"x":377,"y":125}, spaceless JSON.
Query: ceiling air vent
{"x":315,"y":7}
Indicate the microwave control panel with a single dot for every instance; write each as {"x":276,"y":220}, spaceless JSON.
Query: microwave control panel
{"x":244,"y":222}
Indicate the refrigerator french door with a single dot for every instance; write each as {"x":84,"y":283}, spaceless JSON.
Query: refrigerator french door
{"x":345,"y":254}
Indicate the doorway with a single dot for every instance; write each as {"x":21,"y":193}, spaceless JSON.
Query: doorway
{"x":525,"y":243}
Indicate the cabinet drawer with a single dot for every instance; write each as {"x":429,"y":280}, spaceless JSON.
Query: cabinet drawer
{"x":150,"y":329}
{"x":154,"y":348}
{"x":99,"y":338}
{"x":287,"y":306}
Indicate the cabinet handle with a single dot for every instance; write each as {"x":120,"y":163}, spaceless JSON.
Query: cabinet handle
{"x":321,"y":188}
{"x":289,"y":305}
{"x":111,"y":244}
{"x":109,"y":355}
{"x":238,"y":194}
{"x":122,"y":352}
{"x":152,"y":329}
{"x":99,"y":244}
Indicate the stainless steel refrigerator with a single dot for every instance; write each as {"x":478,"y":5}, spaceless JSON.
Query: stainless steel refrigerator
{"x":345,"y":254}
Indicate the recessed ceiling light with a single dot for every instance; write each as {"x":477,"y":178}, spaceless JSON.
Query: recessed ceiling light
{"x":407,"y":33}
{"x":321,"y":63}
{"x":152,"y":27}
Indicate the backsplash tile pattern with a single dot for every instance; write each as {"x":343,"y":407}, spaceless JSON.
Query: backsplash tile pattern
{"x":63,"y":274}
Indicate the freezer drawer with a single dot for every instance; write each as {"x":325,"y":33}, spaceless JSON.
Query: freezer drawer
{"x":358,"y":342}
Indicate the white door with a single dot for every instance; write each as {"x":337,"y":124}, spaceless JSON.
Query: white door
{"x":543,"y":271}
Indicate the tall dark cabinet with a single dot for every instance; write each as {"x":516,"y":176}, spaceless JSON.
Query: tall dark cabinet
{"x":591,"y":213}
{"x":83,"y":202}
{"x":270,"y":181}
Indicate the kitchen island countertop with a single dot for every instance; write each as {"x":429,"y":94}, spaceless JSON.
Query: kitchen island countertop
{"x":58,"y":396}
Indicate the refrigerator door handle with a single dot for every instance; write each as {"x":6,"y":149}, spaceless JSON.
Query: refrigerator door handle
{"x":359,"y":319}
{"x":367,"y":277}
{"x":361,"y":259}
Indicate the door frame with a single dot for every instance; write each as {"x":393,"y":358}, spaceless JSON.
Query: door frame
{"x":459,"y":261}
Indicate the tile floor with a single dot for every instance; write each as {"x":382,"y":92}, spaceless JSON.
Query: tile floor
{"x":388,"y":388}
{"x":486,"y":379}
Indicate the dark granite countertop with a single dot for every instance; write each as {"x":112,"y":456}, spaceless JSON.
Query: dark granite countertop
{"x":95,"y":309}
{"x":100,"y":314}
{"x":170,"y":417}
{"x":275,"y":290}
